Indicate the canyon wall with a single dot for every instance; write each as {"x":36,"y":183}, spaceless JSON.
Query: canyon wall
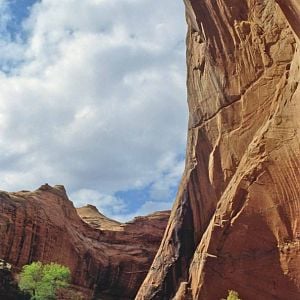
{"x":235,"y":223}
{"x":107,"y":259}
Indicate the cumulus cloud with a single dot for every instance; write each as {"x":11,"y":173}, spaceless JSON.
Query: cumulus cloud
{"x":107,"y":204}
{"x":93,"y":97}
{"x":163,"y":186}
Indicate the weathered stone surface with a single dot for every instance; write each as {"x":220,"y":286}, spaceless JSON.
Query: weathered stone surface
{"x":235,"y":224}
{"x":44,"y":225}
{"x":92,"y":216}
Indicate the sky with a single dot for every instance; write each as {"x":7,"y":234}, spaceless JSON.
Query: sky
{"x":93,"y":96}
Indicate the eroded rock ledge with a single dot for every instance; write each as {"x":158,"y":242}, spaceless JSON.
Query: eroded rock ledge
{"x":235,"y":223}
{"x":44,"y":225}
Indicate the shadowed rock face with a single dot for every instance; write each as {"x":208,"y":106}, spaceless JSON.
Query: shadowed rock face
{"x":44,"y":225}
{"x":8,"y":285}
{"x":235,"y":223}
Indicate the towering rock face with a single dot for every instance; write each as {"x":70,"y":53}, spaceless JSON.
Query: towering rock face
{"x":235,"y":223}
{"x":44,"y":226}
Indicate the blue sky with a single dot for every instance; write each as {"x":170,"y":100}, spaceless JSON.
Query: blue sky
{"x":18,"y":10}
{"x":93,"y":97}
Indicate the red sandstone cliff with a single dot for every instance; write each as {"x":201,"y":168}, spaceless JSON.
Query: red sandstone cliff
{"x":236,"y":223}
{"x":44,"y":225}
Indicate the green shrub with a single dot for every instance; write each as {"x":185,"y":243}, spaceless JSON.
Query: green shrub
{"x":232,"y":295}
{"x":42,"y":281}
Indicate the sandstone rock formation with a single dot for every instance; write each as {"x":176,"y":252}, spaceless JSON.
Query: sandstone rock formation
{"x":44,"y":225}
{"x":236,"y":223}
{"x":92,"y":216}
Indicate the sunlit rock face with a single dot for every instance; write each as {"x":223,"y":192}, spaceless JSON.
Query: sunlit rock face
{"x":106,"y":258}
{"x":236,"y":223}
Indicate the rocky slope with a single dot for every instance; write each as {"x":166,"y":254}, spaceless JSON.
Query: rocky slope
{"x":235,"y":223}
{"x":44,"y":225}
{"x":93,"y":217}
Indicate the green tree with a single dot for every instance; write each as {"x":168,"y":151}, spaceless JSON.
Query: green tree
{"x":42,"y":281}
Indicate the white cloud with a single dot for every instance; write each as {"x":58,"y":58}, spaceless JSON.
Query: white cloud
{"x":147,"y":208}
{"x":163,"y":186}
{"x":107,"y":204}
{"x":94,"y":98}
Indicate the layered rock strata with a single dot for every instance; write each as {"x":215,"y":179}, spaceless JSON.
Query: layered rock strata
{"x":236,"y":222}
{"x":43,"y":225}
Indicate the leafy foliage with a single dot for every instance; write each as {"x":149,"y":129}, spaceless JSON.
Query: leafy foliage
{"x":42,"y":281}
{"x":233,"y":295}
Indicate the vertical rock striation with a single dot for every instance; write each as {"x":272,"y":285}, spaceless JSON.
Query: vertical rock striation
{"x":235,"y":223}
{"x":107,"y":259}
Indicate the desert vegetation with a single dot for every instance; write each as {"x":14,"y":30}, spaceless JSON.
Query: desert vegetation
{"x":43,"y":281}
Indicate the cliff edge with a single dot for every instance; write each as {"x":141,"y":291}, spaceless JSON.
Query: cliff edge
{"x":235,"y":224}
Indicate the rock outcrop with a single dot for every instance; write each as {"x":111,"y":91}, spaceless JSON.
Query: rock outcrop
{"x":93,"y":217}
{"x":236,"y":223}
{"x":137,"y":227}
{"x":110,"y":262}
